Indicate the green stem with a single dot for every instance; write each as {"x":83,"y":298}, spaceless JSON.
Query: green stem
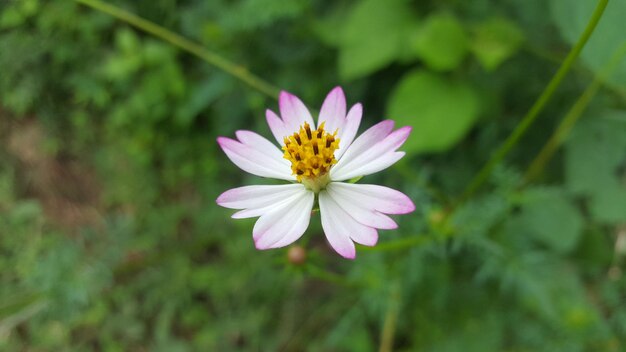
{"x":185,"y":44}
{"x":391,"y":319}
{"x":541,"y":102}
{"x":572,"y":116}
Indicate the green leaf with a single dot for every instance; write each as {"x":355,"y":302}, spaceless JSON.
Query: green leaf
{"x":594,"y":159}
{"x":373,"y":36}
{"x":441,"y":43}
{"x":571,"y":17}
{"x":494,"y":41}
{"x":440,"y":109}
{"x":550,"y":219}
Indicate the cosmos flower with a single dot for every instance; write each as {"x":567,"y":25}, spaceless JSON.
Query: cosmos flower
{"x":317,"y":160}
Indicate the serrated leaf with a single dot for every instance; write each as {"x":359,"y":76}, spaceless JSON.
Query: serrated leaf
{"x":441,"y":42}
{"x":494,"y":41}
{"x":373,"y":36}
{"x":441,"y":110}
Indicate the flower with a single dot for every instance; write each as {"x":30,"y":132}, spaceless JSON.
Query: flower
{"x":316,"y":161}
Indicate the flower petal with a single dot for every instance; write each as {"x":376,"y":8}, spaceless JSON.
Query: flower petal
{"x":368,"y":138}
{"x":331,"y":223}
{"x":277,"y":126}
{"x":255,"y":161}
{"x":373,"y":167}
{"x":365,"y":213}
{"x":260,"y":143}
{"x":257,"y":200}
{"x":294,"y":112}
{"x":348,"y":132}
{"x":382,"y":199}
{"x":284,"y":224}
{"x":333,"y":110}
{"x":375,"y":158}
{"x":341,"y":229}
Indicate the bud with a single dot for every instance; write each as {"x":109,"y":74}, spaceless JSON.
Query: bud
{"x":296,"y":255}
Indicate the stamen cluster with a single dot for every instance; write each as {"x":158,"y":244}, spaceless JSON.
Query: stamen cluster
{"x":311,"y":153}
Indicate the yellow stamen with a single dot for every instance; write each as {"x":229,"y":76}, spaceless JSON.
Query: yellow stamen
{"x":311,"y":153}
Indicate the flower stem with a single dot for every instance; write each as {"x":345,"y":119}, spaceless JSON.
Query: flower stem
{"x":187,"y":45}
{"x":391,"y":319}
{"x":572,"y":116}
{"x":537,"y":107}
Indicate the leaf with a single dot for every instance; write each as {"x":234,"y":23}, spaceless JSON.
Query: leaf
{"x":373,"y":36}
{"x":495,"y":41}
{"x":571,"y":17}
{"x":441,"y":42}
{"x":440,"y":109}
{"x":594,"y":159}
{"x":550,"y":219}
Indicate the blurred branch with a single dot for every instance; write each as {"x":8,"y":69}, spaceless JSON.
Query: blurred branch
{"x":538,"y":106}
{"x":185,"y":44}
{"x":572,"y":116}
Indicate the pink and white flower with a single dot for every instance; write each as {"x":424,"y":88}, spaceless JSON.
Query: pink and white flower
{"x":317,"y":160}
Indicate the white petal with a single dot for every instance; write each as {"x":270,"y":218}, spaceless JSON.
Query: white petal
{"x":331,"y":223}
{"x":277,"y":126}
{"x":373,"y":167}
{"x":341,"y":229}
{"x":368,"y":138}
{"x":294,"y":112}
{"x":284,"y":224}
{"x":372,"y":159}
{"x":362,"y":234}
{"x":333,"y":110}
{"x":382,"y":199}
{"x":386,"y":146}
{"x":348,"y":132}
{"x":257,"y":200}
{"x":365,"y":213}
{"x":256,"y":161}
{"x":261,"y":144}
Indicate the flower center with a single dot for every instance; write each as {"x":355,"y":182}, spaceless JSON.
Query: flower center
{"x":311,"y":153}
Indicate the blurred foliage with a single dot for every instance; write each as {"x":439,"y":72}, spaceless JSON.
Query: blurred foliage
{"x":129,"y":125}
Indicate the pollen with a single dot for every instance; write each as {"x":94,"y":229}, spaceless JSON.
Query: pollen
{"x":312,"y":153}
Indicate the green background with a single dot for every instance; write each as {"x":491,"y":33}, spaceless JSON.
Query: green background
{"x":110,"y":238}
